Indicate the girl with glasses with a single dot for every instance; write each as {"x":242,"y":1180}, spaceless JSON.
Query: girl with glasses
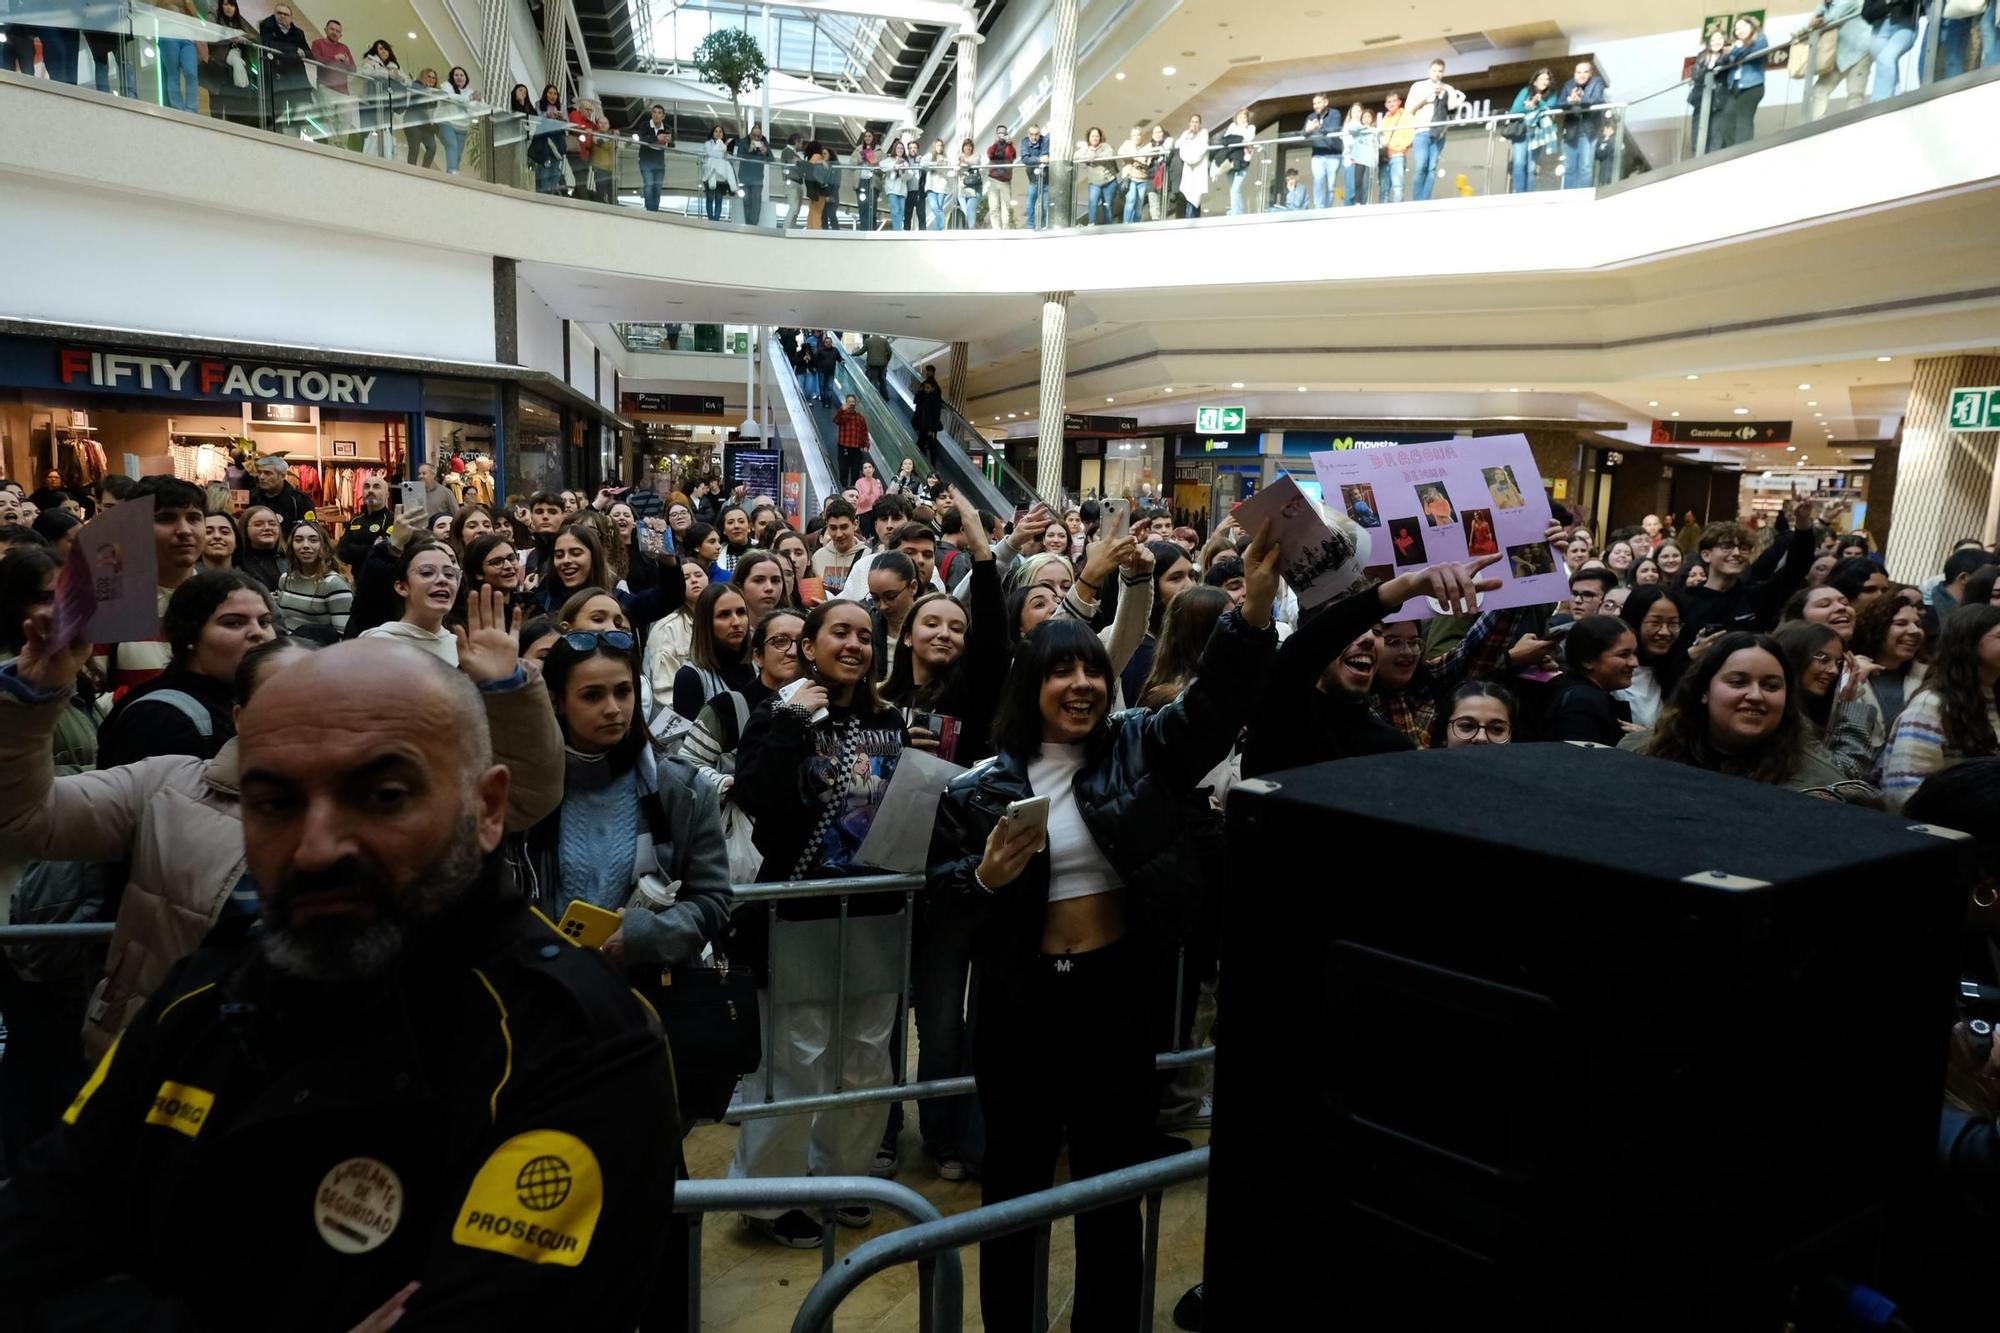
{"x":1835,"y":726}
{"x":774,"y":653}
{"x":1481,"y":712}
{"x":1655,"y":621}
{"x":427,"y":580}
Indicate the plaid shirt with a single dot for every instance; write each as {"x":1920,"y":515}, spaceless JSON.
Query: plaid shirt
{"x":1413,"y":709}
{"x":853,"y":429}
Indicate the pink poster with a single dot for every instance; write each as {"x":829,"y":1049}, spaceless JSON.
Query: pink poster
{"x":1429,"y":504}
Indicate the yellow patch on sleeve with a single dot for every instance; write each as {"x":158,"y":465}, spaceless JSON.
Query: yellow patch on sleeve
{"x":91,"y":1084}
{"x":181,"y":1107}
{"x":536,"y":1198}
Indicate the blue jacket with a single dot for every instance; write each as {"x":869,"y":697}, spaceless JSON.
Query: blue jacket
{"x":1745,"y":68}
{"x":1573,"y":125}
{"x":1034,"y":152}
{"x":1325,"y":141}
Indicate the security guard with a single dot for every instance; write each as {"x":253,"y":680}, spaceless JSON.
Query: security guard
{"x":403,"y":1097}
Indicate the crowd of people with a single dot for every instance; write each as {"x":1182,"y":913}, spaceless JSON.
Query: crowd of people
{"x":351,"y":764}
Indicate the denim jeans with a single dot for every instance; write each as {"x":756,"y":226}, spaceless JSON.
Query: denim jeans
{"x":968,"y":204}
{"x":713,"y":201}
{"x":937,"y":209}
{"x":1579,"y":162}
{"x":1100,"y":195}
{"x":1325,"y":166}
{"x":1892,"y":42}
{"x":1424,"y":164}
{"x":1354,"y":180}
{"x":864,"y":205}
{"x":1392,"y":179}
{"x":896,"y":202}
{"x":1989,"y":37}
{"x":652,"y":176}
{"x":179,"y":74}
{"x":1038,"y":202}
{"x":753,"y":204}
{"x":1237,"y":179}
{"x":1135,"y":201}
{"x":453,"y":138}
{"x":1523,"y":168}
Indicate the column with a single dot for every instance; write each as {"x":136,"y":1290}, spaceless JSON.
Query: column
{"x":555,"y":46}
{"x":1055,"y":379}
{"x":954,"y":378}
{"x":1944,"y":477}
{"x":493,"y":63}
{"x":968,"y":40}
{"x":1062,"y":116}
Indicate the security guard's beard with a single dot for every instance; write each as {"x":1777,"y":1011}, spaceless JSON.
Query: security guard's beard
{"x":347,"y":947}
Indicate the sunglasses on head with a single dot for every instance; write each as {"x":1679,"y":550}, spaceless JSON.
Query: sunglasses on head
{"x":583,"y":640}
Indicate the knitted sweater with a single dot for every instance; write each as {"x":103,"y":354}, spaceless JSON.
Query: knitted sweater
{"x":1917,"y":747}
{"x":599,"y":834}
{"x":304,"y":600}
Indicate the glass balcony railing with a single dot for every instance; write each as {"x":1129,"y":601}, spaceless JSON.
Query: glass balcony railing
{"x":286,"y":81}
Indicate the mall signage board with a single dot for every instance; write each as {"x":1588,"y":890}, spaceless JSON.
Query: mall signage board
{"x":1075,"y":424}
{"x":674,"y":404}
{"x":1975,"y":409}
{"x":1218,"y":420}
{"x":33,"y":363}
{"x":1739,"y":434}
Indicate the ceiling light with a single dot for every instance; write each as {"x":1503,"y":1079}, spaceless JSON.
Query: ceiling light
{"x":1302,"y":388}
{"x":1168,"y":389}
{"x":1813,"y":403}
{"x":1168,"y":70}
{"x":1012,"y":415}
{"x":1694,"y":377}
{"x":1237,"y":384}
{"x":1804,"y":388}
{"x":1673,"y":414}
{"x":1819,"y":414}
{"x":1120,"y":76}
{"x":413,"y":37}
{"x":1742,"y":411}
{"x":1791,"y":448}
{"x":1882,"y":358}
{"x":1652,"y":402}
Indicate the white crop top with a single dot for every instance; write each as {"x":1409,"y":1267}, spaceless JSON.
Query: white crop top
{"x":1077,"y":869}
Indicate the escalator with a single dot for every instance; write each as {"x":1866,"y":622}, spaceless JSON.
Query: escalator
{"x":810,"y":448}
{"x":958,"y":439}
{"x":890,"y":438}
{"x":890,"y":430}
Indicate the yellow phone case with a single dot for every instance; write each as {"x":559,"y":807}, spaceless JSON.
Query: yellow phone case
{"x":586,"y":926}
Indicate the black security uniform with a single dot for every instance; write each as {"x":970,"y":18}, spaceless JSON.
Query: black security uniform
{"x":494,"y":1121}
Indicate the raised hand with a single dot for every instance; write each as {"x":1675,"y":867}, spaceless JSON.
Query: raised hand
{"x":45,"y":665}
{"x":1260,"y":578}
{"x":974,"y":529}
{"x":489,"y":649}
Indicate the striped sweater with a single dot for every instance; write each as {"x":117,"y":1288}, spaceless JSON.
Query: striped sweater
{"x":313,"y":601}
{"x":1917,"y":747}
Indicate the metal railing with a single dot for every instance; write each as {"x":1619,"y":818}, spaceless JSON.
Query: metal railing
{"x":940,"y":1278}
{"x":948,"y":1235}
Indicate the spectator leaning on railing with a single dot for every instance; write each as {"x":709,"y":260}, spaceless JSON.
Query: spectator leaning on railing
{"x":1323,"y":136}
{"x":1576,"y":98}
{"x":1397,"y":135}
{"x":1741,"y":70}
{"x":285,"y":57}
{"x":1426,"y":96}
{"x":1535,"y":133}
{"x":336,"y":61}
{"x":1035,"y":158}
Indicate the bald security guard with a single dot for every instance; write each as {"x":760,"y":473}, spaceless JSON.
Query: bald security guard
{"x":403,"y":1100}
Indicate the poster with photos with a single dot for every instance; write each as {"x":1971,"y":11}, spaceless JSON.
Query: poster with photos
{"x":1428,"y":504}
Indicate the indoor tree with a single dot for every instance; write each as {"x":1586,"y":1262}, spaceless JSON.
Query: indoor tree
{"x":731,"y":59}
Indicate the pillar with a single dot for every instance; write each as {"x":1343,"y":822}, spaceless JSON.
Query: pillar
{"x":954,"y":378}
{"x":1944,"y":477}
{"x":1055,"y":379}
{"x":968,"y":40}
{"x":555,"y":46}
{"x":1062,"y":116}
{"x":494,"y":67}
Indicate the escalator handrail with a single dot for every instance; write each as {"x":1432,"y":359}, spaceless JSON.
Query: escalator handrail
{"x":952,"y":459}
{"x":820,"y":474}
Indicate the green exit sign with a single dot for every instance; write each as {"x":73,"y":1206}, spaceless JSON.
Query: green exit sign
{"x":1975,"y":409}
{"x":1218,"y":420}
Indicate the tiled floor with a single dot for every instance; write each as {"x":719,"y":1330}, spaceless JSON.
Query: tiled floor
{"x":751,"y":1285}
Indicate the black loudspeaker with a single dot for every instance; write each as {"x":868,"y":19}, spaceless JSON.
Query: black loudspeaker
{"x":1546,"y":1037}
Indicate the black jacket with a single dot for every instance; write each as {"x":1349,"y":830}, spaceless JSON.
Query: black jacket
{"x":144,"y":726}
{"x":1583,"y":710}
{"x":1750,"y":603}
{"x":1136,"y":795}
{"x":290,"y":503}
{"x":1294,"y":722}
{"x":501,"y":1106}
{"x":974,"y":692}
{"x":362,"y":531}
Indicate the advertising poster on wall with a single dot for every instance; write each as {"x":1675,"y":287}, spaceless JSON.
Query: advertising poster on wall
{"x":1426,"y":504}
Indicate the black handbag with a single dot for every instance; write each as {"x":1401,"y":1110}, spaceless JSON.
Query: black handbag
{"x":709,"y":1015}
{"x":1513,"y":131}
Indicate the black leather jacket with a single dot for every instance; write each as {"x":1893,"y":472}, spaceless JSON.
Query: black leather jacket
{"x":1137,"y":797}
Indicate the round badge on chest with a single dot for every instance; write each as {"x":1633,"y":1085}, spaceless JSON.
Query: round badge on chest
{"x":358,"y":1204}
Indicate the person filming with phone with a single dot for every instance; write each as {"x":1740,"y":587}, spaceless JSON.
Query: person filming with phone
{"x":1069,"y":860}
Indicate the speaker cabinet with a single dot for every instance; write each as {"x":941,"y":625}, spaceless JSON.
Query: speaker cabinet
{"x":1543,"y":1037}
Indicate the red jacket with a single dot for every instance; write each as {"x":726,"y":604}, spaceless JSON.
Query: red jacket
{"x":853,"y":428}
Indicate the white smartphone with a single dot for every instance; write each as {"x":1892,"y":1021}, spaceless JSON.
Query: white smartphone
{"x":1030,"y":812}
{"x":1117,"y":518}
{"x":413,"y":495}
{"x":785,"y":695}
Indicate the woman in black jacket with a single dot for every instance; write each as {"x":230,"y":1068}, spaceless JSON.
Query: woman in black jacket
{"x":1315,"y":704}
{"x":927,"y":412}
{"x":812,"y":768}
{"x":1602,"y":652}
{"x":1067,"y":916}
{"x":210,"y":622}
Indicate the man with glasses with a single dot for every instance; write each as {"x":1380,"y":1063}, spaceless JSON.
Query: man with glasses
{"x":1734,"y":597}
{"x":285,"y":64}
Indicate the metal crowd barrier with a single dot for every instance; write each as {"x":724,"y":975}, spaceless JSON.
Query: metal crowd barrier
{"x":940,"y":1278}
{"x":947,"y":1235}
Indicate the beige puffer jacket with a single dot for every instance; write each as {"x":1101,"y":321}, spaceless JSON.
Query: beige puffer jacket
{"x":175,"y":821}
